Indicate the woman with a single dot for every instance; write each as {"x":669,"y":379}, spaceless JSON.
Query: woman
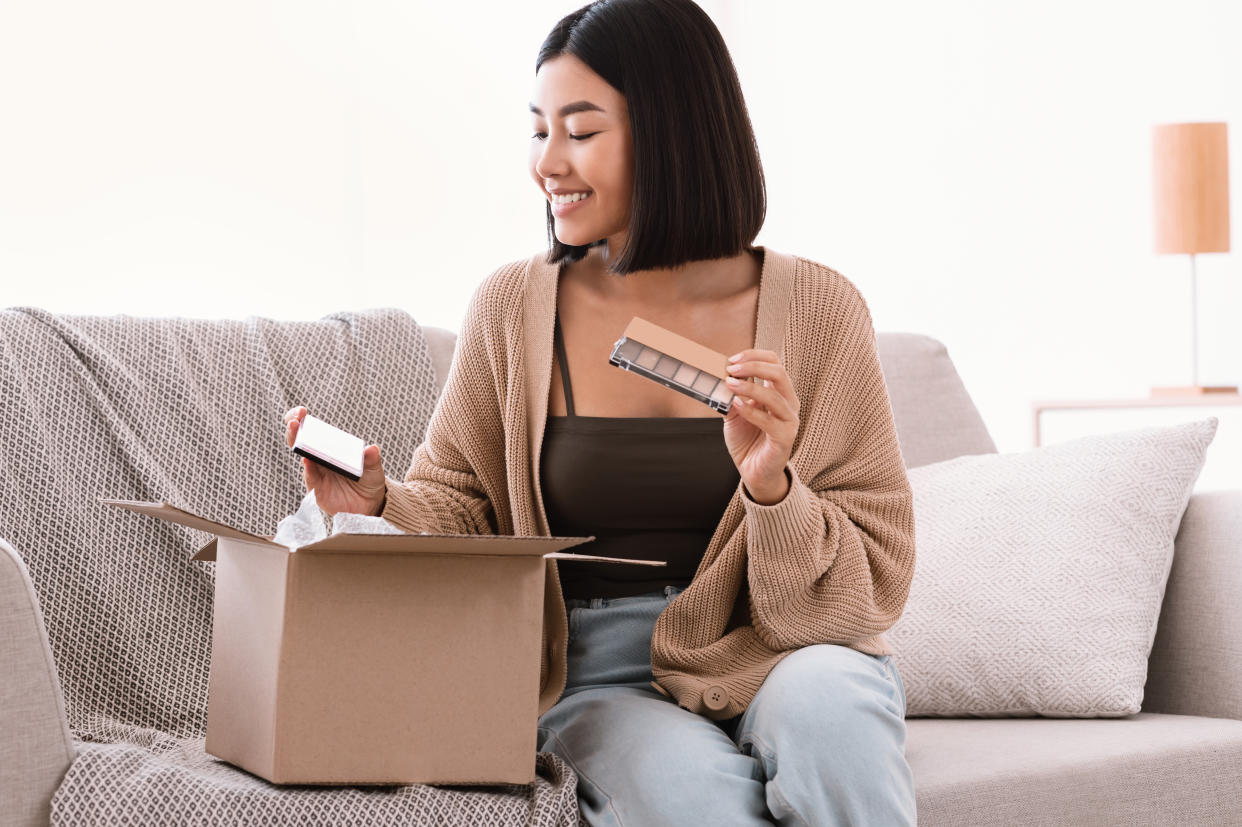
{"x":747,"y":681}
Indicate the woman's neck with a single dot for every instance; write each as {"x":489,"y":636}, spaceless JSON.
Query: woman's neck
{"x":695,"y":282}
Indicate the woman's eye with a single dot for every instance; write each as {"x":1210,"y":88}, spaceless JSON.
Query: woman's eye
{"x":538,"y":136}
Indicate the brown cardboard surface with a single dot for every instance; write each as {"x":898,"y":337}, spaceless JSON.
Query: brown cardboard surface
{"x":484,"y":544}
{"x":376,"y":658}
{"x":247,"y":626}
{"x":208,"y":551}
{"x":174,"y":514}
{"x":434,"y":669}
{"x":678,"y":346}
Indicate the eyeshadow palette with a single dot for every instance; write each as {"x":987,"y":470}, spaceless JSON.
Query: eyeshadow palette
{"x":675,"y":362}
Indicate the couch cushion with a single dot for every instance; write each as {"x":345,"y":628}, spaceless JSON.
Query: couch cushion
{"x":36,"y":747}
{"x":1195,"y":666}
{"x":441,"y":344}
{"x":1145,"y":769}
{"x":934,"y":415}
{"x":1040,"y":574}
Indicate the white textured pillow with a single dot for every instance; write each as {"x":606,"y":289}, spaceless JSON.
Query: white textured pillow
{"x":1039,"y":575}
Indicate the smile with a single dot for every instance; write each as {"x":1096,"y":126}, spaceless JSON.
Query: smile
{"x":563,"y":205}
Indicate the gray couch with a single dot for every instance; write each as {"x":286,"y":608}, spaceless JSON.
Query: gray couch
{"x":1179,"y":761}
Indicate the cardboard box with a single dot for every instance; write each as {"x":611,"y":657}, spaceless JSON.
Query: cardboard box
{"x":376,"y":658}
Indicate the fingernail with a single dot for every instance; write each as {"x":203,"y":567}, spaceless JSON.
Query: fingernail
{"x":735,"y":357}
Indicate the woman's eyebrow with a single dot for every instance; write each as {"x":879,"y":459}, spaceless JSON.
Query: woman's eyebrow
{"x":571,"y":108}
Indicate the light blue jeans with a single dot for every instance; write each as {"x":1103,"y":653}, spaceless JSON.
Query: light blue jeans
{"x":822,"y":742}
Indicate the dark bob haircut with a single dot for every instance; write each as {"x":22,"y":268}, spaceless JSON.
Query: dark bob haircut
{"x":698,"y":184}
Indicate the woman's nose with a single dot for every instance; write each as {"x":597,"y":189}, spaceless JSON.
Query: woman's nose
{"x":550,"y":160}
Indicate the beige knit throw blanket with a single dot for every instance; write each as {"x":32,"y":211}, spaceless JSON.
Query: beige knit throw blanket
{"x":189,"y":411}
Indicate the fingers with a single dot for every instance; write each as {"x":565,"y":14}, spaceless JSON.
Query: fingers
{"x":775,"y":427}
{"x":777,"y":403}
{"x":293,"y":420}
{"x":776,"y":391}
{"x":774,"y":372}
{"x":753,"y":354}
{"x":314,"y":473}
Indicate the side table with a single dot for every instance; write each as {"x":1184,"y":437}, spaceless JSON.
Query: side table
{"x":1223,"y":466}
{"x":1214,"y":400}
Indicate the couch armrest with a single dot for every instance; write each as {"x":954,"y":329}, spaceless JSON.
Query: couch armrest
{"x":35,"y":745}
{"x":1195,"y":666}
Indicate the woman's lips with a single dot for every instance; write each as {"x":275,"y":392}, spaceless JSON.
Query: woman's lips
{"x":560,"y":210}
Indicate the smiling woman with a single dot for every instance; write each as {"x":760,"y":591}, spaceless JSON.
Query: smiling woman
{"x":582,"y":152}
{"x":664,"y":172}
{"x":646,"y":161}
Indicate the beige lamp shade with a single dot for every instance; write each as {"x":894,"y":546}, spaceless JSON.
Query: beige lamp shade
{"x":1190,"y":170}
{"x":1190,"y":166}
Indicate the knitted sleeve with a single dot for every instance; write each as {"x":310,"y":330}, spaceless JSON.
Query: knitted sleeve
{"x":833,"y":561}
{"x":442,"y":492}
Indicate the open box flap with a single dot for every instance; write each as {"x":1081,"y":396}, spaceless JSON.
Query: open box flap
{"x":471,"y":544}
{"x":207,"y":552}
{"x":480,"y":544}
{"x":371,"y":546}
{"x":174,"y":514}
{"x":677,"y":346}
{"x":569,"y":555}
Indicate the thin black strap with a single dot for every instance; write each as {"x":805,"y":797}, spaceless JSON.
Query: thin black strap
{"x":560,"y":355}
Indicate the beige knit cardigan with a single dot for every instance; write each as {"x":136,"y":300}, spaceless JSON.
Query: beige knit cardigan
{"x":830,"y":563}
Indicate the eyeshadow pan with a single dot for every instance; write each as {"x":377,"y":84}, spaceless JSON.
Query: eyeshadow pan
{"x":629,"y":349}
{"x":686,"y":375}
{"x":667,"y":366}
{"x":648,"y":358}
{"x":705,"y":383}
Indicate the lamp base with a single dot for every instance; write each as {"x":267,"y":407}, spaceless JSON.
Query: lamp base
{"x":1193,"y":390}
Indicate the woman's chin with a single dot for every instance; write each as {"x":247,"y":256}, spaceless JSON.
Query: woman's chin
{"x":575,"y":239}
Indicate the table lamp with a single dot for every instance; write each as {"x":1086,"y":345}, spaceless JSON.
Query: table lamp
{"x":1190,"y":168}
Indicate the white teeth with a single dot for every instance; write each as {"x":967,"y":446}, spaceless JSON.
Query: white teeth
{"x":569,"y":199}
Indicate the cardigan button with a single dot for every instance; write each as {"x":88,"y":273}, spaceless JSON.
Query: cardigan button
{"x":716,"y":698}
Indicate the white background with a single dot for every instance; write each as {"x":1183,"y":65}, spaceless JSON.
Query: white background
{"x":980,"y":170}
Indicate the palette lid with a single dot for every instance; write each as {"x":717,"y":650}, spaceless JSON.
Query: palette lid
{"x":677,"y":346}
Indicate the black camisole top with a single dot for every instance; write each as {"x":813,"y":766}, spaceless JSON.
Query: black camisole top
{"x":648,"y":488}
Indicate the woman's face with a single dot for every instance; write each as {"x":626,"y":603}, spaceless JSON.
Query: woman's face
{"x":581,"y":144}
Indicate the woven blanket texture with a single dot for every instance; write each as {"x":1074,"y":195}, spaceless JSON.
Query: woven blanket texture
{"x":188,"y":411}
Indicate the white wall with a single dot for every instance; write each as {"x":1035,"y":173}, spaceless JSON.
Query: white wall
{"x":980,"y":170}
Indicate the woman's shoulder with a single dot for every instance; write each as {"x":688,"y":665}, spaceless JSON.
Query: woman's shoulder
{"x":821,"y":288}
{"x":500,"y":294}
{"x":508,"y":278}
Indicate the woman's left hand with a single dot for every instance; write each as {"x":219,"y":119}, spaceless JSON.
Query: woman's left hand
{"x":762,"y":422}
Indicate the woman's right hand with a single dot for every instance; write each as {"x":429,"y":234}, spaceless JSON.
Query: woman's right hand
{"x":336,"y":492}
